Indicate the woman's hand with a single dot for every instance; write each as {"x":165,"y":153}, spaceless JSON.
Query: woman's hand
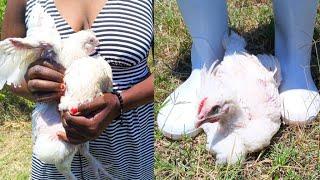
{"x":91,"y":120}
{"x":94,"y":117}
{"x":45,"y":80}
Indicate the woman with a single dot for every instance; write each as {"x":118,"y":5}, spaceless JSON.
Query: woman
{"x":121,"y":127}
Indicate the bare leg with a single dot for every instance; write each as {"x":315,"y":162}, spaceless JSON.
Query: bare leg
{"x":207,"y":24}
{"x":294,"y":25}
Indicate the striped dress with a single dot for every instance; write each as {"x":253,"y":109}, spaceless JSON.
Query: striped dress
{"x":124,"y":29}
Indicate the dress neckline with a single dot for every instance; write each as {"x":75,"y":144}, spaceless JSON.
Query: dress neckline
{"x":90,"y":25}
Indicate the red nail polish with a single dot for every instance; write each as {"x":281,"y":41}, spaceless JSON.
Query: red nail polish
{"x":62,"y":86}
{"x":73,"y":111}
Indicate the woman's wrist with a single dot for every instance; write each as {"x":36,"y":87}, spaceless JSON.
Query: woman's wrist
{"x":138,"y":95}
{"x":112,"y":101}
{"x":120,"y":101}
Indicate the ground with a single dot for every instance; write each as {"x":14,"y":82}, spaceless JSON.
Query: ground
{"x":293,"y":154}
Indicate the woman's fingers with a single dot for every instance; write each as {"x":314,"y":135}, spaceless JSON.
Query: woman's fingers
{"x":44,"y":73}
{"x":76,"y":133}
{"x":41,"y":78}
{"x":72,"y":134}
{"x":49,"y":64}
{"x":89,"y":107}
{"x":79,"y":126}
{"x":90,"y":127}
{"x":55,"y":66}
{"x":69,"y":138}
{"x":47,"y":97}
{"x":76,"y":121}
{"x":63,"y":136}
{"x":68,"y":122}
{"x":45,"y":86}
{"x":45,"y":80}
{"x":101,"y":115}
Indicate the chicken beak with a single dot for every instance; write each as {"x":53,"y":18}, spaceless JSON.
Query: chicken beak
{"x":212,"y":119}
{"x":96,"y":43}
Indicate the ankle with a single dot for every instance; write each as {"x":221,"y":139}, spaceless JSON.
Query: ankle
{"x":203,"y":53}
{"x":296,"y":78}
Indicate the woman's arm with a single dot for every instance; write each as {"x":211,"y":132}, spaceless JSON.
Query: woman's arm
{"x":96,"y":115}
{"x":13,"y":22}
{"x":140,"y":94}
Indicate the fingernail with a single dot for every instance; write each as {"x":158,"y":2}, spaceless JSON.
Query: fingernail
{"x":62,"y":86}
{"x":59,"y":135}
{"x":74,"y":111}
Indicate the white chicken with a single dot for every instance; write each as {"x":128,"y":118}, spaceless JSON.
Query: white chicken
{"x":85,"y":78}
{"x":239,"y":105}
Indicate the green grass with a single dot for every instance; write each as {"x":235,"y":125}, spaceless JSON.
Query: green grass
{"x":15,"y":145}
{"x":294,"y":151}
{"x":293,"y":154}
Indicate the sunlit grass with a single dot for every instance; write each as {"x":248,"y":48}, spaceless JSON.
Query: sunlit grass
{"x":15,"y":145}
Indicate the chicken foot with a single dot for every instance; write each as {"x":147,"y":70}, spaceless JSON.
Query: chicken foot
{"x":96,"y":166}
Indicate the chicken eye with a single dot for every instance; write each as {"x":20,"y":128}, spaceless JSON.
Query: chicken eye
{"x":91,"y":40}
{"x":214,"y":110}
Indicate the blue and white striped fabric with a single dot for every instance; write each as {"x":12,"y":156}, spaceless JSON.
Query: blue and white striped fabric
{"x":124,"y":29}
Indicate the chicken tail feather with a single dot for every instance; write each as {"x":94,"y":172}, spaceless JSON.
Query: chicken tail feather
{"x":2,"y":83}
{"x":233,"y":43}
{"x":207,"y":77}
{"x":8,"y":65}
{"x":272,"y":64}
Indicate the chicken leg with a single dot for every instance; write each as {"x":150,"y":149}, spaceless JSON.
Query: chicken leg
{"x":96,"y":166}
{"x":65,"y":168}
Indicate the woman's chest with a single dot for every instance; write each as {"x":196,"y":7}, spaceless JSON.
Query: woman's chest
{"x":79,"y":14}
{"x":123,"y":27}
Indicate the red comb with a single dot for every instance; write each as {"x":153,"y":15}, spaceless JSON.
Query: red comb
{"x":201,"y":104}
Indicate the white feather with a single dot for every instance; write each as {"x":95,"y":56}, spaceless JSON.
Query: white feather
{"x":15,"y":59}
{"x":46,"y":123}
{"x":86,"y":78}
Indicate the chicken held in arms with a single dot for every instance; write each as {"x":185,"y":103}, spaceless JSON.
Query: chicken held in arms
{"x":240,"y":107}
{"x":85,"y":78}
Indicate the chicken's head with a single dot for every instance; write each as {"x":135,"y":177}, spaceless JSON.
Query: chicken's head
{"x":87,"y":40}
{"x":212,"y":110}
